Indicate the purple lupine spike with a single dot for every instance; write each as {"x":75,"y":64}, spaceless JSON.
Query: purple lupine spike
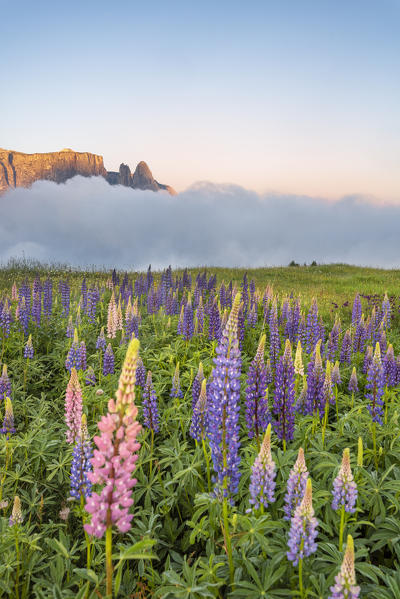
{"x":274,"y":343}
{"x":82,"y":355}
{"x":23,"y":310}
{"x":390,"y":367}
{"x":108,"y":361}
{"x":92,"y":301}
{"x":296,"y":485}
{"x":386,"y":311}
{"x":140,"y":374}
{"x":196,"y":385}
{"x":6,"y":319}
{"x":315,"y":383}
{"x":5,"y":384}
{"x":8,"y":427}
{"x":303,"y":529}
{"x":360,"y":336}
{"x":70,"y":328}
{"x":344,"y":488}
{"x":357,"y":311}
{"x":345,"y":352}
{"x":151,"y":418}
{"x":90,"y":378}
{"x":73,"y":359}
{"x":252,"y":317}
{"x":336,"y":378}
{"x":333,"y":341}
{"x":214,"y":322}
{"x":375,"y":386}
{"x":368,"y":359}
{"x":345,"y":586}
{"x":257,"y":416}
{"x":65,"y":296}
{"x":188,"y":324}
{"x":301,"y":404}
{"x":180,"y":321}
{"x":283,"y":407}
{"x":48,"y":297}
{"x":312,"y":330}
{"x":101,"y":342}
{"x":28,"y":349}
{"x":262,"y":478}
{"x":199,"y":425}
{"x":176,"y":386}
{"x":200,"y":316}
{"x":353,"y":383}
{"x":37,"y":307}
{"x":81,"y":464}
{"x":224,"y":407}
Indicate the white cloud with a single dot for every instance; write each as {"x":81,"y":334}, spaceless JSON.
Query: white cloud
{"x":88,"y":222}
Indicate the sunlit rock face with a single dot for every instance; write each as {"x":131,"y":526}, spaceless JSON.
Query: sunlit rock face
{"x":21,"y":170}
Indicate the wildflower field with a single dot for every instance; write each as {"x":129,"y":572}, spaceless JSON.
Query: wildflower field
{"x":200,"y":433}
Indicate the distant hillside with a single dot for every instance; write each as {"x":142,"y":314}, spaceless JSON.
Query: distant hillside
{"x":21,"y":170}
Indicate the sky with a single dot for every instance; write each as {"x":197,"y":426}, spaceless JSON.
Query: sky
{"x":283,"y":97}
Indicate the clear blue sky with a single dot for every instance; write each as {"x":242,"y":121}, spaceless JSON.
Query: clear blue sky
{"x":292,"y":95}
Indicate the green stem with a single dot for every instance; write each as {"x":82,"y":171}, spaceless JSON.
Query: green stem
{"x":325,"y":422}
{"x":227,"y":536}
{"x":207,"y":465}
{"x":374,"y":443}
{"x":151,"y":451}
{"x":284,"y":444}
{"x":336,"y":403}
{"x":17,"y":553}
{"x":342,"y":525}
{"x":301,"y":578}
{"x":109,"y":566}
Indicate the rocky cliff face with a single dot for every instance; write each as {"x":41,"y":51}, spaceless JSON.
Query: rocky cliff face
{"x":21,"y":170}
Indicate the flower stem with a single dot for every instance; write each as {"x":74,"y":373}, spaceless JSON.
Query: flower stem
{"x":342,"y":525}
{"x":207,"y":465}
{"x":374,"y":443}
{"x":301,"y":578}
{"x":109,"y":566}
{"x":227,"y":536}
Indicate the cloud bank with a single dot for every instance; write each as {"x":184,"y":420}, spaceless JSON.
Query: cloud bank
{"x":87,"y":222}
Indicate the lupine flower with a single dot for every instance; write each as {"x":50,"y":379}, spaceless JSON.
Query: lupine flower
{"x":198,"y":427}
{"x":112,"y":318}
{"x":28,"y":349}
{"x":344,"y":488}
{"x":368,"y":359}
{"x":327,"y":390}
{"x":315,"y":383}
{"x":336,"y":378}
{"x":301,"y":404}
{"x":303,"y":529}
{"x":8,"y":422}
{"x":73,"y":359}
{"x":262,"y":479}
{"x":345,"y":586}
{"x":140,"y":374}
{"x":274,"y":342}
{"x":70,"y":328}
{"x":357,"y":310}
{"x":5,"y":384}
{"x":375,"y":386}
{"x":298,"y":361}
{"x":257,"y":416}
{"x":360,"y":336}
{"x":283,"y":407}
{"x":312,"y":330}
{"x":390,"y":367}
{"x":151,"y":417}
{"x":353,"y":383}
{"x":16,"y":515}
{"x":81,"y":464}
{"x":176,"y":387}
{"x":90,"y":378}
{"x":296,"y":485}
{"x":196,"y":385}
{"x":115,"y":458}
{"x":345,"y":352}
{"x":224,"y":407}
{"x":64,"y":512}
{"x":101,"y":340}
{"x":188,"y":325}
{"x":108,"y":361}
{"x":73,"y":408}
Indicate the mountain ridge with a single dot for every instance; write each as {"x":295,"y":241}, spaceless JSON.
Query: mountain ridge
{"x":18,"y":169}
